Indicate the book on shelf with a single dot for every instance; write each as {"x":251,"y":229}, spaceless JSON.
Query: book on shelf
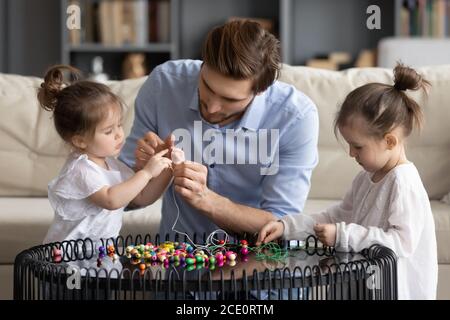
{"x":141,"y":22}
{"x":163,"y":24}
{"x":122,"y":22}
{"x":159,"y":28}
{"x":425,"y":18}
{"x":74,"y":35}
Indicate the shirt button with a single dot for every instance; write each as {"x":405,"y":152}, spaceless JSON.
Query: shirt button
{"x":212,"y":165}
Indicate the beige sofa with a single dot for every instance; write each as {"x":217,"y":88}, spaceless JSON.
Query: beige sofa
{"x":31,"y":155}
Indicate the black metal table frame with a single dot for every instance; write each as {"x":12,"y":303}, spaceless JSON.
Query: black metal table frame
{"x":338,"y":281}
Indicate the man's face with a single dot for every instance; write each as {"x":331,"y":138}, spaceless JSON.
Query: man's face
{"x":222,"y":99}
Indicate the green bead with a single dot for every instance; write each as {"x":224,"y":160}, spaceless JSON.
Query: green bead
{"x":190,"y":267}
{"x":199,"y":259}
{"x":190,"y":261}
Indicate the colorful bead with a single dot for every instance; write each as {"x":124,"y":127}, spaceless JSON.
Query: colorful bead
{"x":181,"y":254}
{"x":244,"y":251}
{"x":57,"y":255}
{"x":230,"y":255}
{"x":219,"y":257}
{"x":190,"y":267}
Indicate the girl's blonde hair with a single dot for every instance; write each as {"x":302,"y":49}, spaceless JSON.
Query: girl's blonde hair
{"x":384,"y":106}
{"x":78,"y":106}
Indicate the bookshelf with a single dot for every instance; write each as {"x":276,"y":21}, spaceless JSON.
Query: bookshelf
{"x":422,"y":18}
{"x":35,"y":35}
{"x":306,"y":29}
{"x":110,"y":31}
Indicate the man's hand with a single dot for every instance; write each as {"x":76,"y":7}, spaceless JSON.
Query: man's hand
{"x":149,"y":145}
{"x":190,"y":183}
{"x":326,"y":233}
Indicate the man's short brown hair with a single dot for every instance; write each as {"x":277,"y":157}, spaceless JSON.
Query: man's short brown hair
{"x":243,"y":50}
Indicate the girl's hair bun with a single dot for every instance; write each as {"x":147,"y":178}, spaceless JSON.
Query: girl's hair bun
{"x":54,"y":83}
{"x":406,"y":78}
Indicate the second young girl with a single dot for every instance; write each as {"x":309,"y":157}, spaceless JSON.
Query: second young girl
{"x":387,"y":203}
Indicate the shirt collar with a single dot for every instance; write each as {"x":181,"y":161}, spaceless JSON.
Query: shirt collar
{"x":253,"y":115}
{"x":193,"y":104}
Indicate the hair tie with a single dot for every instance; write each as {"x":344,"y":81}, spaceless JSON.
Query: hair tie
{"x":397,"y":86}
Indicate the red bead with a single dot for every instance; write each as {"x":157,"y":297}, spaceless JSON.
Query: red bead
{"x":57,"y":255}
{"x":244,"y":242}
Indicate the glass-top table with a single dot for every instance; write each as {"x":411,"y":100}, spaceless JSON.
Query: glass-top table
{"x":307,"y":271}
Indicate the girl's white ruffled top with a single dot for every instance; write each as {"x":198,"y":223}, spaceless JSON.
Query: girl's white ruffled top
{"x":394,"y":212}
{"x":75,"y":216}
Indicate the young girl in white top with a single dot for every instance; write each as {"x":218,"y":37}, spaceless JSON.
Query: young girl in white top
{"x":93,"y":187}
{"x":387,"y":203}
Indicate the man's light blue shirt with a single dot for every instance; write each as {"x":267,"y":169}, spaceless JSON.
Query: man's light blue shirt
{"x":278,"y":181}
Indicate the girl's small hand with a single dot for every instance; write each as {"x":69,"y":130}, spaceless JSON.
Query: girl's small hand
{"x":271,"y":231}
{"x":326,"y":233}
{"x":157,"y":163}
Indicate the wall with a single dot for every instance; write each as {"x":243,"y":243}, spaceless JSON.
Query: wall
{"x":328,"y":25}
{"x":29,"y":36}
{"x":199,"y":16}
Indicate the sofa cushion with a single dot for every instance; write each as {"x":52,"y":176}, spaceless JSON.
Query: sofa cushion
{"x":429,"y":151}
{"x":24,"y":223}
{"x":29,"y":140}
{"x":446,"y":198}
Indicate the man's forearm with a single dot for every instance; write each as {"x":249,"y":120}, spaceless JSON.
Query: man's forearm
{"x":234,"y":217}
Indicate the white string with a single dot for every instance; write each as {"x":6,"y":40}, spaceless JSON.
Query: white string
{"x":210,"y":240}
{"x":178,"y":157}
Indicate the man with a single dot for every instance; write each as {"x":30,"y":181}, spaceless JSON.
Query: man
{"x":234,"y":89}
